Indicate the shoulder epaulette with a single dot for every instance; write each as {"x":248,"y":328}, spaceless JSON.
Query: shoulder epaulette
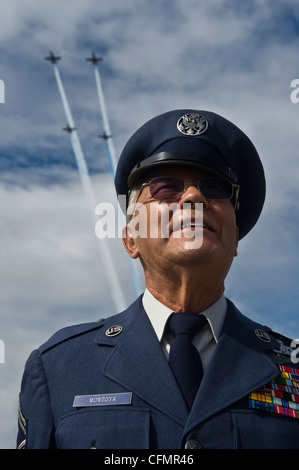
{"x":69,"y":332}
{"x":286,"y":350}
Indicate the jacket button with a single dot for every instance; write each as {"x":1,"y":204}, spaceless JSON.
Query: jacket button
{"x":193,"y":444}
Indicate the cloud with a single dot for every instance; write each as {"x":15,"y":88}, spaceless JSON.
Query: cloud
{"x":50,"y":238}
{"x":52,"y":274}
{"x":237,"y":61}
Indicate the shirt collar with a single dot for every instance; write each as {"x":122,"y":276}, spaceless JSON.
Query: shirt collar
{"x":159,"y":313}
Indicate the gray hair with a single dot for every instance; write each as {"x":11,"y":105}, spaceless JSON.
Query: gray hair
{"x":133,"y":196}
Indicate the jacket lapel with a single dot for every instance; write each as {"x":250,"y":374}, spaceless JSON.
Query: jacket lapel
{"x":137,"y":362}
{"x":239,"y":365}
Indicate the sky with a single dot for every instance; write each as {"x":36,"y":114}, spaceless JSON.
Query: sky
{"x":237,"y":59}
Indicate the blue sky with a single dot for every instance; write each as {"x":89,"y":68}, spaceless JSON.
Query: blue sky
{"x":234,"y":58}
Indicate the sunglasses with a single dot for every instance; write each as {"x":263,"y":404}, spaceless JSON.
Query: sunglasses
{"x":171,"y":189}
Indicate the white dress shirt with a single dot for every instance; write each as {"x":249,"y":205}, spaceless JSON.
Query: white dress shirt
{"x":205,"y":341}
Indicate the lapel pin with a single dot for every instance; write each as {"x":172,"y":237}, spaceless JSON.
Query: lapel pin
{"x":114,"y":330}
{"x":263,"y":336}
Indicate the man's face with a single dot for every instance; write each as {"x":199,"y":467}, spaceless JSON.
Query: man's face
{"x":219,"y":232}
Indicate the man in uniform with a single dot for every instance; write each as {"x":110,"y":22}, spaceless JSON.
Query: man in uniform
{"x":181,"y":367}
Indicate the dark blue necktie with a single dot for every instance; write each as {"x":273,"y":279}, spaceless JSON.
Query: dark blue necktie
{"x":184,"y":358}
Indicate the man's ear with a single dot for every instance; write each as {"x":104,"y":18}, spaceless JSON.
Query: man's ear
{"x":130,"y":242}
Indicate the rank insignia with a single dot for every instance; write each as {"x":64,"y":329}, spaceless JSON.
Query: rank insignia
{"x":280,"y":396}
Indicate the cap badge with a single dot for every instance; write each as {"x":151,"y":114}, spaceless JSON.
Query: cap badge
{"x":192,"y":124}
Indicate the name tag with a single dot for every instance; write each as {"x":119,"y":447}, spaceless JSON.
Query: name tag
{"x":103,"y":399}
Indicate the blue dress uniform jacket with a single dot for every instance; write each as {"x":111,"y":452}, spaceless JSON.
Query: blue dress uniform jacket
{"x":133,"y":398}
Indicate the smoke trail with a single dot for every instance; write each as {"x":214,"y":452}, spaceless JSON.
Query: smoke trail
{"x":113,"y":279}
{"x":82,"y":167}
{"x":113,"y":163}
{"x":107,"y":131}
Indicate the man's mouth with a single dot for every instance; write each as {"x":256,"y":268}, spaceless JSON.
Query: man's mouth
{"x":187,"y":221}
{"x":193,"y":225}
{"x":190,"y":224}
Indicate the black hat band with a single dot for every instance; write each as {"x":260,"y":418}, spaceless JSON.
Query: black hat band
{"x":181,"y":158}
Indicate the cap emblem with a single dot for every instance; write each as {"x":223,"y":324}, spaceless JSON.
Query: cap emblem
{"x":192,"y":124}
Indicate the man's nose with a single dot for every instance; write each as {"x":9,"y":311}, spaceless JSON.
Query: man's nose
{"x":193,"y":195}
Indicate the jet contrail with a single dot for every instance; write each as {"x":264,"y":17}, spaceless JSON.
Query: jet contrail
{"x":107,"y":136}
{"x":107,"y":133}
{"x":117,"y":292}
{"x":82,"y":167}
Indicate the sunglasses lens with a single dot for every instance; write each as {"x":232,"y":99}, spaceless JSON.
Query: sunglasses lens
{"x":216,"y":188}
{"x":166,"y":188}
